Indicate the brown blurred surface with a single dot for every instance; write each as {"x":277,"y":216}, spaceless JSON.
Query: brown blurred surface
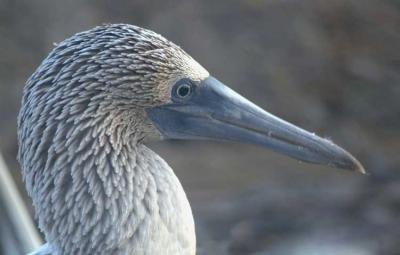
{"x":329,"y":66}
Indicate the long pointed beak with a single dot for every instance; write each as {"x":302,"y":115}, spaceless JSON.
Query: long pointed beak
{"x":214,"y":111}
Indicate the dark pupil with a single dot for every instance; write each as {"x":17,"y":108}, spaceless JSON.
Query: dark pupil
{"x":183,"y":90}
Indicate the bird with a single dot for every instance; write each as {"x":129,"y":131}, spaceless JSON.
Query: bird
{"x":87,"y":114}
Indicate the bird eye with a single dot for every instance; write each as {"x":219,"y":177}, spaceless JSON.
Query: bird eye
{"x":183,"y":89}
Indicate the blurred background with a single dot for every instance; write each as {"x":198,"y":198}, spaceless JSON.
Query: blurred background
{"x":331,"y":67}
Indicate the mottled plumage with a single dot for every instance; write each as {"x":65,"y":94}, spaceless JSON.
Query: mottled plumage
{"x":85,"y":114}
{"x":95,"y":188}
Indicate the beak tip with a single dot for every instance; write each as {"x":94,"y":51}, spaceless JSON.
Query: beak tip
{"x":344,"y":160}
{"x":354,"y":164}
{"x":358,"y":167}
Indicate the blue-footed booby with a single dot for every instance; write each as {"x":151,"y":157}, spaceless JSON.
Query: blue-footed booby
{"x":86,"y":114}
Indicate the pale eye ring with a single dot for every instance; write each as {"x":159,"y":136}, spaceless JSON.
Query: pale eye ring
{"x":184,"y":90}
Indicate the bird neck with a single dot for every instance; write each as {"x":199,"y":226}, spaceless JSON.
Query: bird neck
{"x":108,"y":194}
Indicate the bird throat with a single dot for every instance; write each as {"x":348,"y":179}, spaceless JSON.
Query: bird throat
{"x":101,"y":191}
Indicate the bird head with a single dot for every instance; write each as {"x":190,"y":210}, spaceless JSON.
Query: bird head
{"x":137,"y":77}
